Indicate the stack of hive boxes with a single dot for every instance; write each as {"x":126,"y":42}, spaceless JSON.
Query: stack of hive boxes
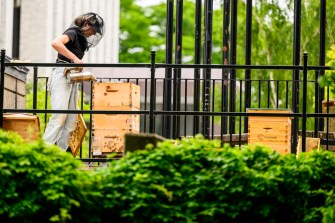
{"x":26,"y":125}
{"x":108,"y":130}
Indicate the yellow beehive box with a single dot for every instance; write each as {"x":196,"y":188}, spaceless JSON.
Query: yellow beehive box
{"x":116,"y":121}
{"x":106,"y":141}
{"x":271,"y":131}
{"x":26,"y":125}
{"x":115,"y":95}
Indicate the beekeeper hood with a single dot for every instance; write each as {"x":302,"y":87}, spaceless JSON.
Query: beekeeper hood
{"x":93,"y":20}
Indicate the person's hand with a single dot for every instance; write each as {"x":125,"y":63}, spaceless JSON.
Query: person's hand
{"x":76,"y":60}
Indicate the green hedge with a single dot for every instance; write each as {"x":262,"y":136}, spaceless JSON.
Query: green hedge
{"x":192,"y":180}
{"x":40,"y":183}
{"x":189,"y":182}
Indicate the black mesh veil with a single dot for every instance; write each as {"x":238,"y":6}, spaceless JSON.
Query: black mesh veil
{"x":93,"y":20}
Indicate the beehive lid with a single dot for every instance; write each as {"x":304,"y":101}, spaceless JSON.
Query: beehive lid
{"x":18,"y":116}
{"x":269,"y":110}
{"x":18,"y":72}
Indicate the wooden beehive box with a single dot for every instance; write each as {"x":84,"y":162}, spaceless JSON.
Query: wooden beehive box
{"x":106,"y":141}
{"x":271,"y":131}
{"x":331,"y":121}
{"x":109,"y":95}
{"x":331,"y":137}
{"x":14,"y":93}
{"x":311,"y":144}
{"x":78,"y":135}
{"x":28,"y":126}
{"x":15,"y":86}
{"x":116,"y":121}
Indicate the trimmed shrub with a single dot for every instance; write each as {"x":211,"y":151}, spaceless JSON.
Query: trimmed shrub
{"x":191,"y":180}
{"x":196,"y":181}
{"x":40,"y":183}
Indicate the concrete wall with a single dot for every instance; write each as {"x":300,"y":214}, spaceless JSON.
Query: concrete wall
{"x":44,"y":20}
{"x":6,"y":25}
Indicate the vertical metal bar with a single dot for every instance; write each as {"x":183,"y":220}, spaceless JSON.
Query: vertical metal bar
{"x":225,"y":60}
{"x":145,"y":104}
{"x":82,"y":96}
{"x":223,"y":118}
{"x":322,"y":59}
{"x":286,"y":105}
{"x":327,"y":120}
{"x":248,"y":35}
{"x":81,"y":108}
{"x":2,"y":84}
{"x":178,"y":60}
{"x":152,"y":93}
{"x":277,"y":94}
{"x":185,"y":109}
{"x":35,"y":80}
{"x":175,"y":98}
{"x":155,"y":92}
{"x":317,"y":109}
{"x":207,"y":71}
{"x":240,"y":123}
{"x":168,"y":71}
{"x":269,"y":86}
{"x":233,"y":40}
{"x":213,"y":108}
{"x":304,"y":104}
{"x":197,"y":60}
{"x":46,"y":102}
{"x":91,"y":126}
{"x":295,"y":77}
{"x":259,"y":93}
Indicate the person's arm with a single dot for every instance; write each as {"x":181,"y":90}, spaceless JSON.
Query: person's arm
{"x":59,"y":45}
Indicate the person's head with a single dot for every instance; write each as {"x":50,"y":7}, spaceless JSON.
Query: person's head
{"x":91,"y":26}
{"x":88,"y":30}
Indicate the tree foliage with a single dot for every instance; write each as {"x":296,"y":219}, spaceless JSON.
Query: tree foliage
{"x":272,"y":43}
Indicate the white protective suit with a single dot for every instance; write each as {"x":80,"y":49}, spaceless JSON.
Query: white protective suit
{"x":64,"y":96}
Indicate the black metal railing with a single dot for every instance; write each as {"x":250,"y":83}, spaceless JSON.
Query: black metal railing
{"x":218,"y":115}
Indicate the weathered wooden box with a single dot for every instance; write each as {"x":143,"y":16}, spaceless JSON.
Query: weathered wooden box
{"x":106,"y":141}
{"x":14,"y":93}
{"x":15,"y":86}
{"x":28,"y":126}
{"x":109,"y":95}
{"x":331,"y":121}
{"x":271,"y":131}
{"x":139,"y":141}
{"x":78,"y":135}
{"x":311,"y":144}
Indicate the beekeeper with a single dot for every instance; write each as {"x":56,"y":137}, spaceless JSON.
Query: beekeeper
{"x":85,"y":32}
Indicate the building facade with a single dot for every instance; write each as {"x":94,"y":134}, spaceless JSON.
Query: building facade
{"x":29,"y":26}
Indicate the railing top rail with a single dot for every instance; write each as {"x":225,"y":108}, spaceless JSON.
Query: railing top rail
{"x":160,"y":65}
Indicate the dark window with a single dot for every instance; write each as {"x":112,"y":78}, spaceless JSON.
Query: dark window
{"x":16,"y":29}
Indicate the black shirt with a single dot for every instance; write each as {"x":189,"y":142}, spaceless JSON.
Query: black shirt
{"x":77,"y":44}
